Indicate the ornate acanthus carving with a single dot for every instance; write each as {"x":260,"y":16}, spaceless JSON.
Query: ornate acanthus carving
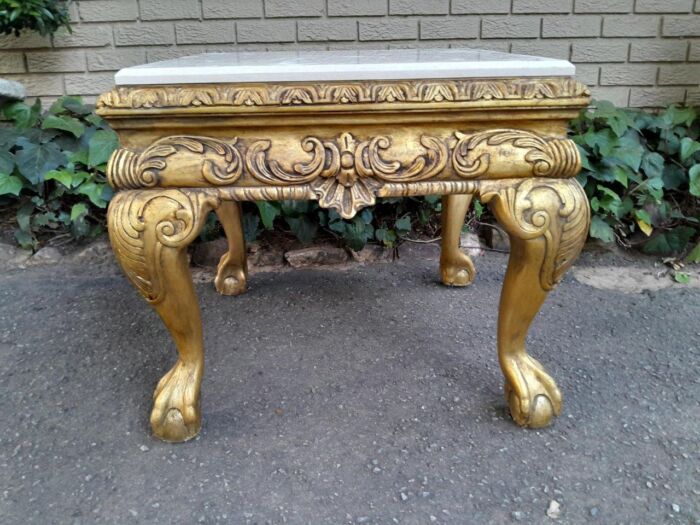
{"x":145,"y":223}
{"x":555,"y":210}
{"x":211,"y":160}
{"x":343,"y":172}
{"x":513,"y":153}
{"x":346,"y":173}
{"x":418,"y":91}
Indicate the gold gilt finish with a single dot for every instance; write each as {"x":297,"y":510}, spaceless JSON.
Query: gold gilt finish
{"x":189,"y":150}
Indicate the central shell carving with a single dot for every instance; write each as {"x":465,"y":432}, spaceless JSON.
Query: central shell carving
{"x":345,"y":173}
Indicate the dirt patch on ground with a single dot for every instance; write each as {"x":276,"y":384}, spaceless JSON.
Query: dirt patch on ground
{"x":632,"y":279}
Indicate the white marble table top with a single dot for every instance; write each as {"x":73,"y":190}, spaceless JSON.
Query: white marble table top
{"x":297,"y":66}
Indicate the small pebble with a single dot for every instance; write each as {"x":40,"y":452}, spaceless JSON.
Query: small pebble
{"x":593,"y":512}
{"x":554,"y":509}
{"x":404,"y":497}
{"x":676,"y":507}
{"x":144,"y":448}
{"x":517,"y":515}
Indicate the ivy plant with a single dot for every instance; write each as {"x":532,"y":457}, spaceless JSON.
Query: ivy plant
{"x":52,"y":168}
{"x":641,"y":172}
{"x":44,"y":16}
{"x":385,"y":223}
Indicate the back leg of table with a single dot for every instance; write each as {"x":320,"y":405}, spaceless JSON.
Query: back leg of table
{"x":232,"y":271}
{"x":456,"y":268}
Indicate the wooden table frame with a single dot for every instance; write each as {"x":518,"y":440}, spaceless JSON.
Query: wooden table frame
{"x":191,"y":149}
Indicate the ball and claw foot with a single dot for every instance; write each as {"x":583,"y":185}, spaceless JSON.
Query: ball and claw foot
{"x":458,"y":271}
{"x":176,"y":415}
{"x":230,"y":279}
{"x":533,"y":397}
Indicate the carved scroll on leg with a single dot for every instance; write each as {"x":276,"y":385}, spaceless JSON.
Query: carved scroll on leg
{"x":547,"y":221}
{"x":150,"y":231}
{"x":232,"y":271}
{"x":456,"y":267}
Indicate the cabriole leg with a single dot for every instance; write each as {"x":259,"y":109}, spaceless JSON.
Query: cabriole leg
{"x":547,"y":221}
{"x":456,"y":268}
{"x":150,"y":231}
{"x":232,"y":272}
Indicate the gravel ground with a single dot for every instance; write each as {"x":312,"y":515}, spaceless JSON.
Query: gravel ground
{"x":370,"y":395}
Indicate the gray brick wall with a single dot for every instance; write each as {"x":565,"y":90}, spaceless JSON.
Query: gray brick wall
{"x":633,"y":52}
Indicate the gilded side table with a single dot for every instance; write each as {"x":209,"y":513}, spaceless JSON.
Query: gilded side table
{"x":207,"y":132}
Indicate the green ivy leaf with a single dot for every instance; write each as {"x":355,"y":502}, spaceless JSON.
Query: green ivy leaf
{"x":673,"y":241}
{"x":603,"y":141}
{"x":694,"y":177}
{"x":25,"y":239}
{"x":7,"y":162}
{"x":629,"y":151}
{"x":10,"y":185}
{"x":295,"y":208}
{"x":601,"y":230}
{"x":268,"y":211}
{"x":34,"y":160}
{"x":24,"y":217}
{"x":303,"y":227}
{"x":65,"y":123}
{"x":79,"y":156}
{"x":619,"y":120}
{"x":251,"y":226}
{"x":65,"y":177}
{"x":94,"y":192}
{"x":688,"y":148}
{"x":675,"y":116}
{"x":652,"y":164}
{"x":478,"y":208}
{"x":674,"y":176}
{"x":403,"y":225}
{"x":78,"y":210}
{"x":585,"y":163}
{"x":694,"y":255}
{"x":21,"y":114}
{"x":357,"y":233}
{"x":681,"y":277}
{"x":102,"y":144}
{"x":337,"y":226}
{"x":385,"y":236}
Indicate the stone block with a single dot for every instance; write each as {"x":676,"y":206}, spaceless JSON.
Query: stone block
{"x":144,"y":34}
{"x":571,"y":26}
{"x":389,"y":29}
{"x":624,"y":26}
{"x":56,"y":61}
{"x":542,"y":6}
{"x":266,"y":31}
{"x":108,"y":10}
{"x":510,"y":27}
{"x":480,"y":7}
{"x":449,"y":28}
{"x":357,"y":7}
{"x":419,"y":7}
{"x":206,"y":32}
{"x":169,"y":9}
{"x":294,"y":8}
{"x":232,"y":8}
{"x":326,"y":30}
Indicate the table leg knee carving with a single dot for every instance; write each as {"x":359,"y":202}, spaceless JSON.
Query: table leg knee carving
{"x":232,"y":271}
{"x":547,"y":221}
{"x":456,"y":267}
{"x":150,"y":231}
